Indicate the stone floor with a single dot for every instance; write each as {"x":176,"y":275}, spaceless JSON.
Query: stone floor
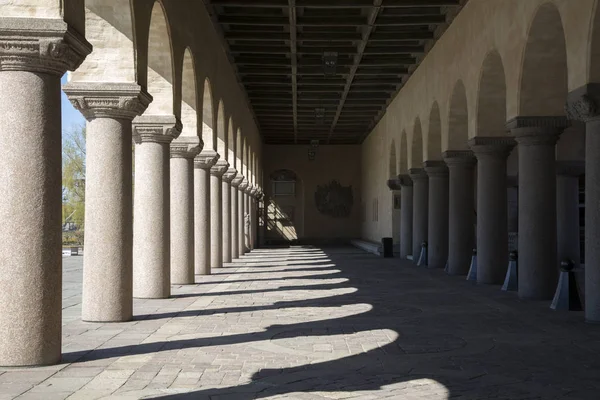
{"x":307,"y":323}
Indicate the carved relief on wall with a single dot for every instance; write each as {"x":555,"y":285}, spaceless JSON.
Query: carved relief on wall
{"x":334,"y":200}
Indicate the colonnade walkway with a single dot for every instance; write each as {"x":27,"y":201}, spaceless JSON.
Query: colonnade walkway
{"x":308,"y":323}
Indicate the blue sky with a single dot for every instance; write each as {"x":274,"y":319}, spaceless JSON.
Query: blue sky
{"x":70,"y":116}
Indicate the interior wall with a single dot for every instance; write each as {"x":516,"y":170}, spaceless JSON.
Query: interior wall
{"x":331,"y":163}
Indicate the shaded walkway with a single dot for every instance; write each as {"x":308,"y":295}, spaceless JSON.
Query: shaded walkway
{"x":319,"y":324}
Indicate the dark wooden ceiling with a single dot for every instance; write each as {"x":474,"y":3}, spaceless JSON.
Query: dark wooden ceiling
{"x":280,"y":48}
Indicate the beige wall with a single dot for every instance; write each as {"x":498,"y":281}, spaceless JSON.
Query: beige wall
{"x":341,"y":163}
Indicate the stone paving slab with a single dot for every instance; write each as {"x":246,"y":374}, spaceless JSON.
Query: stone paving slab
{"x":313,"y":324}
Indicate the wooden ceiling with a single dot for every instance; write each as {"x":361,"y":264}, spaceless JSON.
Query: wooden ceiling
{"x":326,"y":69}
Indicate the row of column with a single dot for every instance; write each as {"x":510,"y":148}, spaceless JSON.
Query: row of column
{"x":438,"y":207}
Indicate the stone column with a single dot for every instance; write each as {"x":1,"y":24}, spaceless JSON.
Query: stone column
{"x":461,"y":230}
{"x":538,"y":263}
{"x":406,"y":216}
{"x":394,"y":186}
{"x":202,"y":165}
{"x":227,"y":215}
{"x":420,"y":209}
{"x":242,"y":208}
{"x":183,"y":151}
{"x":107,"y":265}
{"x":584,"y":104}
{"x":567,"y":210}
{"x":235,"y":217}
{"x":248,"y":208}
{"x":151,"y":210}
{"x":254,"y":216}
{"x":492,"y":205}
{"x":437,"y":222}
{"x":216,"y":216}
{"x":34,"y":54}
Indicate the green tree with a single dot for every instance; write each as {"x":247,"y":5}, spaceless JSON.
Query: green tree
{"x":73,"y":175}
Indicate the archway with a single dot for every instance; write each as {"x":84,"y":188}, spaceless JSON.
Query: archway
{"x":189,"y":103}
{"x":491,"y":101}
{"x":231,"y":144}
{"x":221,"y":131}
{"x":458,"y":119}
{"x":416,"y":150}
{"x":208,"y":118}
{"x":433,"y":141}
{"x":285,"y":209}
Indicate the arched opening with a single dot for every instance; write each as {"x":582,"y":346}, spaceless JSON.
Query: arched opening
{"x":238,"y":151}
{"x":595,"y":48}
{"x":231,"y":144}
{"x":434,"y":136}
{"x":208,"y":118}
{"x":544,"y":77}
{"x":416,"y":151}
{"x":403,"y":169}
{"x":189,"y":103}
{"x":285,"y":210}
{"x":458,"y":120}
{"x":491,"y":102}
{"x":160,"y":63}
{"x":221,"y":131}
{"x":392,"y":173}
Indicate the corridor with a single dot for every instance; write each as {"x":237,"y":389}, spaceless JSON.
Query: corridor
{"x":309,"y":323}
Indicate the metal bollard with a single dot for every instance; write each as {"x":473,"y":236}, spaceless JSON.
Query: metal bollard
{"x":472,"y":275}
{"x":511,"y":281}
{"x":567,"y":293}
{"x":423,"y":255}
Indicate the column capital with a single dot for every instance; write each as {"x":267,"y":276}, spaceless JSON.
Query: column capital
{"x":186,"y":147}
{"x":459,"y":158}
{"x":492,"y":146}
{"x":394,"y":184}
{"x":156,"y":128}
{"x":582,"y":103}
{"x":252,"y":190}
{"x":206,"y":159}
{"x":435,"y":168}
{"x":107,"y":99}
{"x":260,"y":195}
{"x":243,"y":185}
{"x":570,"y":167}
{"x":405,"y":180}
{"x":417,"y":174}
{"x":220,"y":167}
{"x":532,"y":131}
{"x":230,"y":175}
{"x":237,"y":181}
{"x":41,"y":45}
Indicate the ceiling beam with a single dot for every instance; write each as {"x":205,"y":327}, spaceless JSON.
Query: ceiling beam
{"x":294,"y":61}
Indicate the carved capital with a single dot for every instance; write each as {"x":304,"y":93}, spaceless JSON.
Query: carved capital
{"x":47,"y":46}
{"x":206,"y":159}
{"x":107,"y":100}
{"x":405,"y":180}
{"x":435,"y":168}
{"x":459,"y":158}
{"x":186,"y":147}
{"x":570,"y":167}
{"x":219,"y":168}
{"x":156,"y":128}
{"x":237,"y":181}
{"x":582,"y":103}
{"x":537,"y":131}
{"x":492,"y":146}
{"x":394,"y":184}
{"x":417,"y":174}
{"x":243,"y":185}
{"x":230,"y":175}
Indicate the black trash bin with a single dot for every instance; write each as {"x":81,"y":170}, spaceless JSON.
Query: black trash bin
{"x":388,"y":247}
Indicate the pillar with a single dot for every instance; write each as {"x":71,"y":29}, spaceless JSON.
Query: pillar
{"x":227,"y":215}
{"x":584,"y":104}
{"x":406,"y":216}
{"x":235,"y":217}
{"x":394,"y":186}
{"x":492,"y":207}
{"x":461,"y":206}
{"x":34,"y":54}
{"x":107,"y":266}
{"x":183,"y":151}
{"x":254,"y":217}
{"x":248,"y":216}
{"x":420,"y":209}
{"x":437,"y":222}
{"x":216,"y":216}
{"x":151,"y":211}
{"x":202,"y":165}
{"x":242,"y":208}
{"x":538,"y":263}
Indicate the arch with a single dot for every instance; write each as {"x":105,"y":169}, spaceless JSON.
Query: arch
{"x":403,"y":153}
{"x":238,"y":151}
{"x":458,"y":119}
{"x":160,"y":63}
{"x":416,"y":150}
{"x":221,"y":131}
{"x":491,"y":100}
{"x":594,"y":66}
{"x":208,"y":118}
{"x":231,"y":144}
{"x":434,"y":136}
{"x":245,"y":158}
{"x":544,"y":76}
{"x":189,"y":96}
{"x":392,"y":161}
